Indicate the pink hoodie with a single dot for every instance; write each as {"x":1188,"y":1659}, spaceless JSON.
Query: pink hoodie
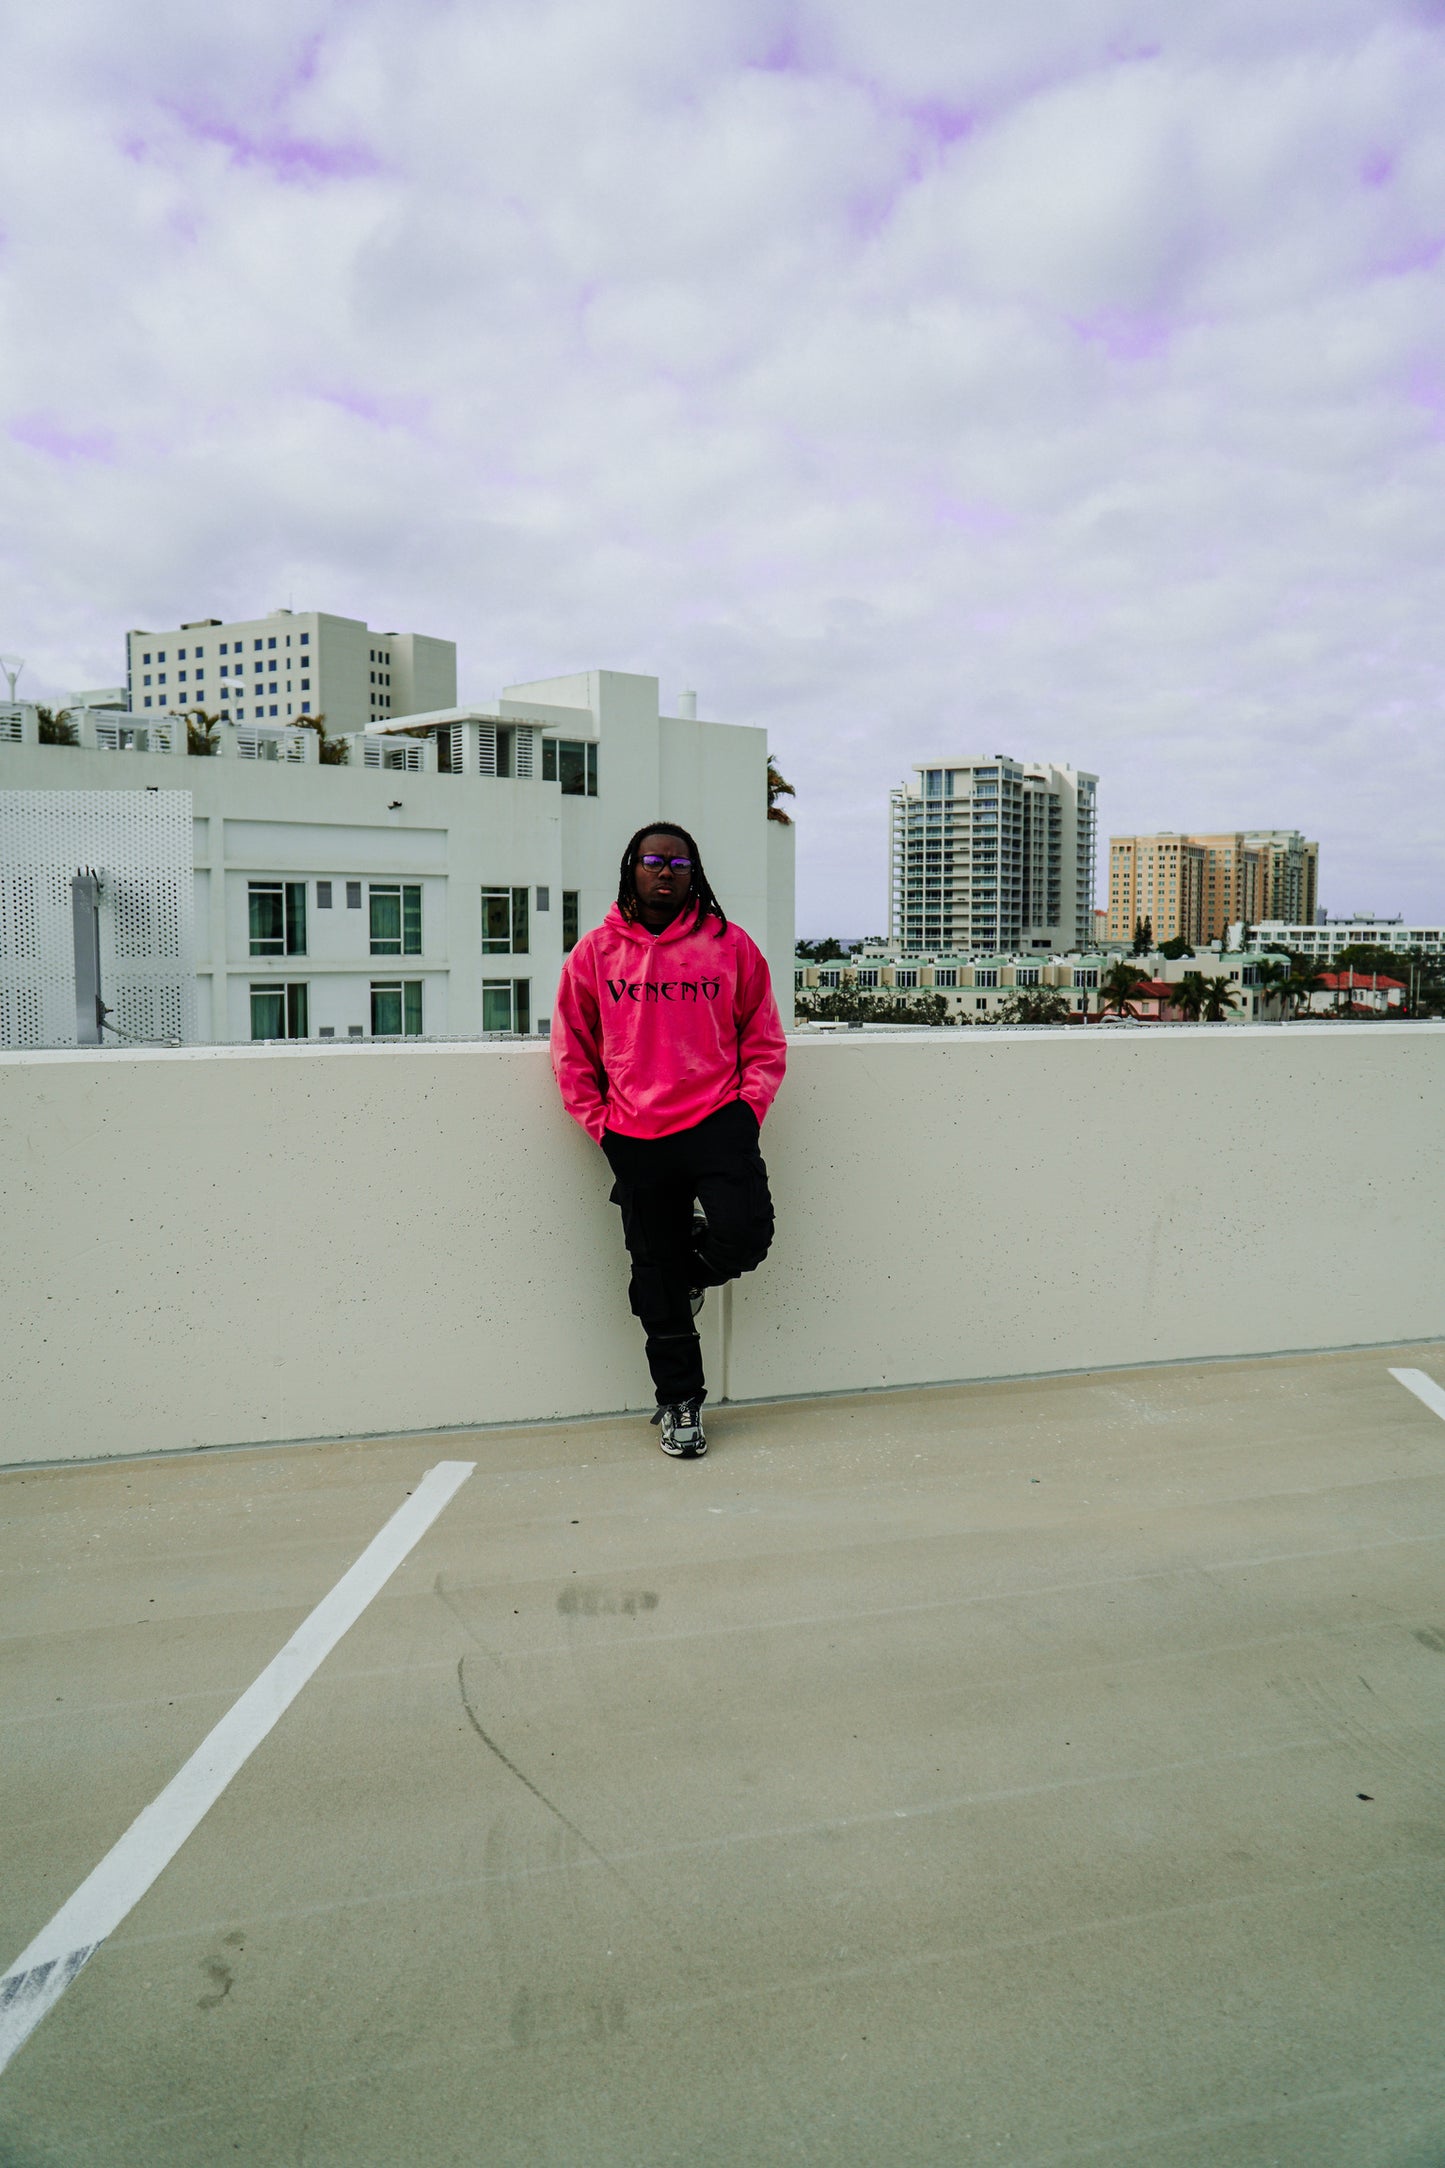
{"x":652,"y":1032}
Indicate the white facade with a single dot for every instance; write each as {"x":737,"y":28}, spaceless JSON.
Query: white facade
{"x":993,"y":854}
{"x":975,"y":988}
{"x":432,"y":884}
{"x":1324,"y":943}
{"x":270,"y":669}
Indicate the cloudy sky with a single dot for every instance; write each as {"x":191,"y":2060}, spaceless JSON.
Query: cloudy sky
{"x":1064,"y":378}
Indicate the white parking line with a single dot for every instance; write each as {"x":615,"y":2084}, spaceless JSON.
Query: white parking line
{"x":41,"y":1974}
{"x":1424,"y":1388}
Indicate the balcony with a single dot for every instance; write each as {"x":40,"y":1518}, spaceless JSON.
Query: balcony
{"x":1001,"y":1765}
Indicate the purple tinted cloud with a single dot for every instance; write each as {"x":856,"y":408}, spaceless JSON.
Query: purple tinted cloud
{"x":294,"y":161}
{"x":42,"y":433}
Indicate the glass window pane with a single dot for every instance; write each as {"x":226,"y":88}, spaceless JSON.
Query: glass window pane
{"x":295,"y":918}
{"x":267,"y":925}
{"x":268,"y":1012}
{"x":592,"y":771}
{"x":570,"y":897}
{"x":385,"y":922}
{"x":412,"y":1006}
{"x":297,"y":1026}
{"x":385,"y":1011}
{"x":572,"y":767}
{"x":519,"y":922}
{"x":496,"y":921}
{"x":411,"y":921}
{"x":549,"y":760}
{"x":524,"y":1005}
{"x":496,"y":1005}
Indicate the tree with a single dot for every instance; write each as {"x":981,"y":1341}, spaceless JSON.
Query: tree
{"x":1305,"y":979}
{"x":55,"y":728}
{"x":777,"y":789}
{"x":1219,"y":1000}
{"x":331,"y":752}
{"x":821,"y":952}
{"x":1117,"y":988}
{"x":1034,"y":1005}
{"x":1143,"y":936}
{"x":201,"y":732}
{"x":1190,"y":994}
{"x":849,"y":1006}
{"x":1272,"y":979}
{"x":1176,"y":948}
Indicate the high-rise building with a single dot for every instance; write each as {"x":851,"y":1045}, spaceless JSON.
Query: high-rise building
{"x":1197,"y":887}
{"x":272,"y":669}
{"x":993,"y":854}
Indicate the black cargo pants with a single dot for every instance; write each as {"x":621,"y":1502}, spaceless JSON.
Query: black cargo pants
{"x":718,"y":1164}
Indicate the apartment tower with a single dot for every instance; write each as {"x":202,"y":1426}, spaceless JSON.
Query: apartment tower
{"x":272,"y":669}
{"x":993,"y":854}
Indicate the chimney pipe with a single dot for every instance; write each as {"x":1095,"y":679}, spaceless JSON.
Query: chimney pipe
{"x":687,"y":707}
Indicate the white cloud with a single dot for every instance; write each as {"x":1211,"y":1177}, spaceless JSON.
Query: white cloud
{"x":1062,"y":378}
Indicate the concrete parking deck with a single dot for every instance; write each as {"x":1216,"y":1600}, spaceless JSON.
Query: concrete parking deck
{"x":1037,"y":1773}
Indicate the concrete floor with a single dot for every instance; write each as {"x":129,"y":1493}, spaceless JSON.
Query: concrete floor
{"x":961,"y":1776}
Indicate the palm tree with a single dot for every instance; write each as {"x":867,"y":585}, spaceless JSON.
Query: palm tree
{"x":777,"y":789}
{"x":1272,"y":979}
{"x":1219,"y":999}
{"x":1304,"y":980}
{"x":1190,"y":995}
{"x":201,"y":732}
{"x":1118,"y":987}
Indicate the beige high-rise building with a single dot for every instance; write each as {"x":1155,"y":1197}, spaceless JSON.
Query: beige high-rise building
{"x":292,"y":663}
{"x":1197,"y":887}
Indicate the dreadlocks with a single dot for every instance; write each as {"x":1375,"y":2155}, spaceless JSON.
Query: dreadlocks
{"x":701,"y":901}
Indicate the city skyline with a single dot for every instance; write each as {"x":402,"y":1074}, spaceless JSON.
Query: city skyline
{"x":1068,"y":378}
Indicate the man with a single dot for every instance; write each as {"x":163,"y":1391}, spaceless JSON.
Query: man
{"x":668,"y":1049}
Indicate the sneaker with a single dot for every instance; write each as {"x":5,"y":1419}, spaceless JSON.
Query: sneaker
{"x":682,"y":1432}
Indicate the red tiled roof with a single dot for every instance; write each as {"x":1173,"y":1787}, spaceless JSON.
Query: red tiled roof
{"x":1364,"y":981}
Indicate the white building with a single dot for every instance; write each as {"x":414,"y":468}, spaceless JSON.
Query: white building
{"x":271,"y":669}
{"x":429,"y":885}
{"x":974,"y":988}
{"x":993,"y":854}
{"x":1323,"y":943}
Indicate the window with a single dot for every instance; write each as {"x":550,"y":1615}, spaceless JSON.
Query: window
{"x":395,"y":1008}
{"x":867,"y":978}
{"x":353,"y":895}
{"x":544,"y":899}
{"x":146,"y":658}
{"x":828,"y":978}
{"x":504,"y":922}
{"x":905,"y":978}
{"x":305,"y":639}
{"x":549,"y":757}
{"x":277,"y":916}
{"x":395,"y":918}
{"x":946,"y":977}
{"x":146,"y":679}
{"x":256,"y":643}
{"x":305,"y":685}
{"x":982,"y":1002}
{"x":506,"y":1004}
{"x":323,"y":895}
{"x":269,"y":643}
{"x":278,"y":1012}
{"x":571,"y":899}
{"x":576,"y":767}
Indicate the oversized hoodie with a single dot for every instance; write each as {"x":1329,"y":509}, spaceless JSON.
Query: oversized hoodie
{"x":652,"y":1032}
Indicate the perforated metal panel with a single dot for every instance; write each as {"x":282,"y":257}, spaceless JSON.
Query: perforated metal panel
{"x":140,"y":843}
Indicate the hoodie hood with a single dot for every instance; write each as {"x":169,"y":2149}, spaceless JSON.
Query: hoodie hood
{"x":619,"y":928}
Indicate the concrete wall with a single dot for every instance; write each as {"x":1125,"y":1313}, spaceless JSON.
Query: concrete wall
{"x":235,"y":1244}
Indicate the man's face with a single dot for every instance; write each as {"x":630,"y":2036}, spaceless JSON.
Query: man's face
{"x":665,"y":887}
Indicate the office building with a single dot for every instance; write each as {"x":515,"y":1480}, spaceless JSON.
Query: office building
{"x":273,"y":669}
{"x":993,"y":854}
